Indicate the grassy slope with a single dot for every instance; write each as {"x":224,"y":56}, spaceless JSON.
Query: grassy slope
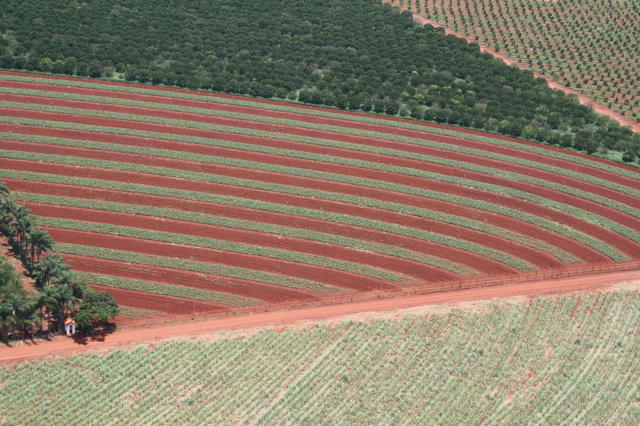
{"x":553,"y":359}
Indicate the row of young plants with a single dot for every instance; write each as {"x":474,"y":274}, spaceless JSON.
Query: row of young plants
{"x":311,"y":213}
{"x":327,"y":113}
{"x":58,"y":293}
{"x":362,"y":202}
{"x":511,"y":159}
{"x":359,"y":201}
{"x":196,"y":266}
{"x":226,"y":246}
{"x":248,"y":225}
{"x":518,"y":177}
{"x":552,"y":359}
{"x":165,"y":289}
{"x":335,"y":177}
{"x":542,"y":136}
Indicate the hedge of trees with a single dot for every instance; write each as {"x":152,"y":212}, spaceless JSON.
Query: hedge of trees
{"x":58,"y":293}
{"x":350,"y":54}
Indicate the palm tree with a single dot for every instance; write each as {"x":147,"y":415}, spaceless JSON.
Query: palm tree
{"x":51,"y":270}
{"x":23,"y":223}
{"x":6,"y":216}
{"x":38,"y":241}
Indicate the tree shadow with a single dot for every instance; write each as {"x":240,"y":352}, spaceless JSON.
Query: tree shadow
{"x":98,"y":335}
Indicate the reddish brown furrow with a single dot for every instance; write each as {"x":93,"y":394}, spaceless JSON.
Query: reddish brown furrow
{"x":333,"y":136}
{"x":278,"y":266}
{"x":212,"y":105}
{"x":416,"y":270}
{"x":261,"y":291}
{"x":482,"y":264}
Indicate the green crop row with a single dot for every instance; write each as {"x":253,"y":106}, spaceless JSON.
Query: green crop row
{"x":514,"y":159}
{"x":352,"y":180}
{"x":193,"y":266}
{"x":360,"y":201}
{"x":166,"y":289}
{"x":326,"y":195}
{"x":358,"y":118}
{"x":506,"y":190}
{"x":226,"y":246}
{"x":361,"y":245}
{"x":516,"y":177}
{"x":260,"y":205}
{"x":129,"y":312}
{"x":294,"y":211}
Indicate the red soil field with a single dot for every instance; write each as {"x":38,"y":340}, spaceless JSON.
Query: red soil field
{"x":614,"y":239}
{"x":340,"y":138}
{"x":253,"y":289}
{"x":430,"y":278}
{"x":323,"y":275}
{"x":168,"y":304}
{"x":447,"y":170}
{"x":419,"y":223}
{"x":394,"y":264}
{"x":472,"y":260}
{"x":348,"y":124}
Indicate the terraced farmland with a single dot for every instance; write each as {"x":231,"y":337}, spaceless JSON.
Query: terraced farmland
{"x":178,"y":200}
{"x":550,"y":360}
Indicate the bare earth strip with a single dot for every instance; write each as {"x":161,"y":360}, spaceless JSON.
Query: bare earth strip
{"x":635,"y":126}
{"x":356,"y":310}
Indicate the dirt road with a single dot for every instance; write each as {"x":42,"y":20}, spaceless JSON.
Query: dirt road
{"x":127,"y":337}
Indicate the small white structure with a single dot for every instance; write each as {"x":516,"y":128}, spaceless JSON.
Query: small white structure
{"x":69,"y":326}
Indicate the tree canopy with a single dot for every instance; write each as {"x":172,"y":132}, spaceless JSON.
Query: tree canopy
{"x":351,"y":54}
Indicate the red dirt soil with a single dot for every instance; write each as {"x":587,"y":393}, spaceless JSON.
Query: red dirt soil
{"x":395,"y":264}
{"x":352,"y":189}
{"x":315,"y":108}
{"x":615,"y":239}
{"x":319,"y":274}
{"x":293,"y":130}
{"x":471,"y":260}
{"x":536,"y":257}
{"x":350,"y":124}
{"x":168,"y":304}
{"x":127,"y":337}
{"x":445,"y":207}
{"x":635,"y":126}
{"x":267,"y":293}
{"x":443,"y":169}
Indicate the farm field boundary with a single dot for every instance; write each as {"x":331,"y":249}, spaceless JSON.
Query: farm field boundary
{"x":135,"y":335}
{"x":448,"y":287}
{"x":584,"y":99}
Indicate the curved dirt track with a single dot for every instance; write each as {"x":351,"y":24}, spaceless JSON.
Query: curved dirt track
{"x":126,"y":337}
{"x":635,"y":126}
